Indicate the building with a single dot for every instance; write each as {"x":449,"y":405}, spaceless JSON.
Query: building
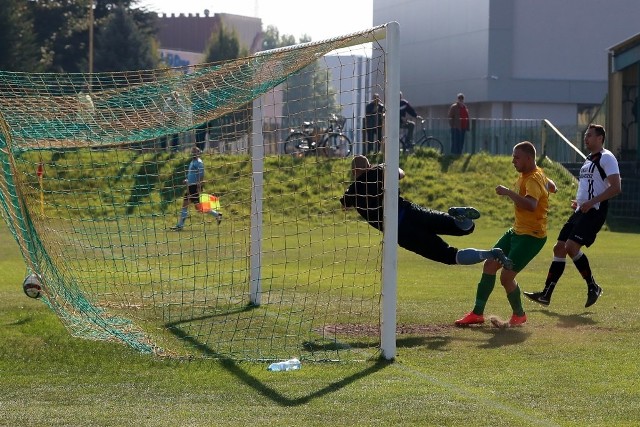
{"x":624,"y":94}
{"x":183,"y":38}
{"x":511,"y":58}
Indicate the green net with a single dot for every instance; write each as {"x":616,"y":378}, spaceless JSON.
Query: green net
{"x":93,"y":170}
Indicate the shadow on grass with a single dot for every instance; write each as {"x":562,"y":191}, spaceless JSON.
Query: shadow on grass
{"x":497,"y":338}
{"x":570,"y":320}
{"x":622,"y":225}
{"x":283,"y":400}
{"x":178,"y":332}
{"x":447,"y":161}
{"x":503,"y":337}
{"x":22,"y":321}
{"x":234,"y":368}
{"x":147,"y":180}
{"x":433,"y":343}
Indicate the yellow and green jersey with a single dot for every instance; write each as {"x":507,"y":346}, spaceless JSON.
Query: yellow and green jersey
{"x":532,"y":184}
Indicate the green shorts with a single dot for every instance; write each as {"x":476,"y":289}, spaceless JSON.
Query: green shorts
{"x":520,"y":248}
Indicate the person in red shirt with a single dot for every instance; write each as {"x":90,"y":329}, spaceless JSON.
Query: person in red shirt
{"x":459,"y":124}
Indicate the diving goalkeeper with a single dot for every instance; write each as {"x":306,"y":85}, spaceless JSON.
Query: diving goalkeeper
{"x":419,"y":228}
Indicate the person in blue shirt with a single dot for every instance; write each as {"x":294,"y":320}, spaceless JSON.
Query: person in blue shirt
{"x":195,"y":177}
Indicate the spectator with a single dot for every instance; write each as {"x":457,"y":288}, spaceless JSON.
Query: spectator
{"x":407,"y":110}
{"x":374,"y":116}
{"x":459,"y":124}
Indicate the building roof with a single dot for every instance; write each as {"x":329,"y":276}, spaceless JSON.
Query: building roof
{"x":191,"y":32}
{"x":625,"y":53}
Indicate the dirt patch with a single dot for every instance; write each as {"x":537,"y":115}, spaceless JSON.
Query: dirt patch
{"x":369,"y":330}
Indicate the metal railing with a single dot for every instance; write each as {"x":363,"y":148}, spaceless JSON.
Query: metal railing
{"x":557,"y":147}
{"x":495,"y":136}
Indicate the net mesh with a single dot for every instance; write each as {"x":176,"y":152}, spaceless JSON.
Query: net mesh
{"x":93,"y":170}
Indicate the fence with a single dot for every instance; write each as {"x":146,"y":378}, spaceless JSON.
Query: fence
{"x":495,"y":136}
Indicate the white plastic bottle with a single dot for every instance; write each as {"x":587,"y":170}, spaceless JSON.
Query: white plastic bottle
{"x":287,"y":365}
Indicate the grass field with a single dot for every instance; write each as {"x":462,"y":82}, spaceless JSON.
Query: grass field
{"x":568,"y":366}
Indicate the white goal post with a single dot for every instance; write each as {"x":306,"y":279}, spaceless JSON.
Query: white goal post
{"x":390,"y":33}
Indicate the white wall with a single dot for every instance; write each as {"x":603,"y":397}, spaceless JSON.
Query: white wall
{"x":568,"y":40}
{"x":498,"y":52}
{"x":556,"y":113}
{"x":444,"y":46}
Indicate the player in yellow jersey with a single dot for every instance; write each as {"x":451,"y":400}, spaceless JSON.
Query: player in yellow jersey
{"x":522,"y":242}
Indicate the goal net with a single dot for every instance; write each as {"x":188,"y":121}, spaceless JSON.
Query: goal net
{"x":93,"y":180}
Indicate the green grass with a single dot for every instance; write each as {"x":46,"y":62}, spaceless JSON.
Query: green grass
{"x":569,"y":366}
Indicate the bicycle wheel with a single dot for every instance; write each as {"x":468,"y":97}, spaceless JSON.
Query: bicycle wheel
{"x":297,"y":143}
{"x":338,"y":145}
{"x":431,"y":142}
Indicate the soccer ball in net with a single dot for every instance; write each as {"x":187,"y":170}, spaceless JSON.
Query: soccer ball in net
{"x":32,"y":286}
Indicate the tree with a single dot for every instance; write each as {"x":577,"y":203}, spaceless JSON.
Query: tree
{"x":62,"y":29}
{"x":308,"y":94}
{"x":19,"y":49}
{"x":272,"y":39}
{"x":223,"y":45}
{"x":122,"y":46}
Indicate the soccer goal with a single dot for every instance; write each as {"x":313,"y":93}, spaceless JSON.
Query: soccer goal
{"x":93,"y":180}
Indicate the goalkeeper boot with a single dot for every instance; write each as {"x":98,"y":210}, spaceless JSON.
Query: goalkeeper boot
{"x":464,"y":212}
{"x":464,"y":217}
{"x":499,"y":256}
{"x":176,"y":228}
{"x":470,"y":319}
{"x":219,"y":218}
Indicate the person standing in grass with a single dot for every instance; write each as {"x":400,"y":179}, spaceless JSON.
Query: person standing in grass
{"x":195,"y":177}
{"x":522,"y":242}
{"x":418,"y":227}
{"x":459,"y":124}
{"x":599,"y":181}
{"x":374,"y":119}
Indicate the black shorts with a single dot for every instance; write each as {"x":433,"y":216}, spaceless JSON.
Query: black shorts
{"x":192,"y":194}
{"x":582,"y":227}
{"x":419,"y":232}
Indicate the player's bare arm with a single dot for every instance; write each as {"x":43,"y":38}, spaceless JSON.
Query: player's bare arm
{"x":527,"y":202}
{"x":615,"y":188}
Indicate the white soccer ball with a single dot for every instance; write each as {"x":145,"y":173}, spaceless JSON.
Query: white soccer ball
{"x":32,"y":286}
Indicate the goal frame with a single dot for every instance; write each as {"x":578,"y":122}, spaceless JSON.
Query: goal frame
{"x":390,"y":32}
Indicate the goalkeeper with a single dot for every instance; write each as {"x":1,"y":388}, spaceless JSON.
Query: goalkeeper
{"x":418,"y":227}
{"x":195,"y":176}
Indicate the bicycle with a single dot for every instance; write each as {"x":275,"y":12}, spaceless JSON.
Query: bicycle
{"x":312,"y":139}
{"x":424,"y":141}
